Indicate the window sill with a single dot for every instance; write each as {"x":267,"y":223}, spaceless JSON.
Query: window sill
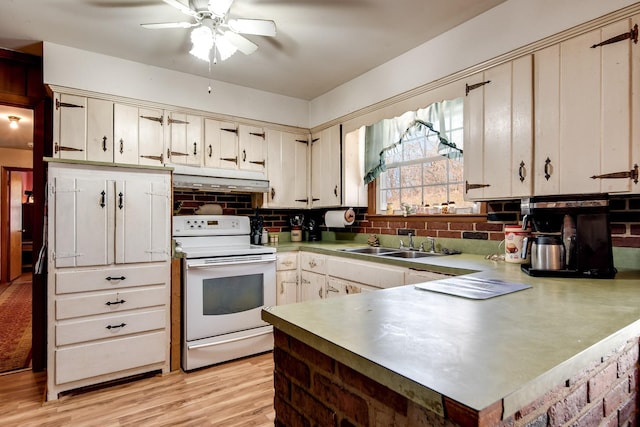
{"x":479,"y":217}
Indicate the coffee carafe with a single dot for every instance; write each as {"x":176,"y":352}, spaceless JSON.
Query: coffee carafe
{"x":572,"y":236}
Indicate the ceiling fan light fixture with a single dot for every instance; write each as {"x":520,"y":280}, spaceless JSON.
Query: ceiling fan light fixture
{"x":13,"y":121}
{"x":225,"y":48}
{"x":219,"y":8}
{"x":202,"y":39}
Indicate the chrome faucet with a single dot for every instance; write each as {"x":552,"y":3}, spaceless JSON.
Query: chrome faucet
{"x":411,"y":247}
{"x":432,"y":244}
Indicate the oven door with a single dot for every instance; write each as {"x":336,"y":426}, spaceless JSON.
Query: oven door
{"x":227,"y":294}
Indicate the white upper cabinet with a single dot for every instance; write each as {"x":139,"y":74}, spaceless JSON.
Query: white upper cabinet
{"x":100,"y":130}
{"x":185,"y":139}
{"x":220,"y":144}
{"x":326,"y":186}
{"x":498,"y":143}
{"x":287,"y":169}
{"x":69,"y":126}
{"x":252,"y":148}
{"x":586,"y":108}
{"x":354,"y":190}
{"x":150,"y":137}
{"x":105,"y":131}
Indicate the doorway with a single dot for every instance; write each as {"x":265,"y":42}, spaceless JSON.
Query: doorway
{"x":16,"y":219}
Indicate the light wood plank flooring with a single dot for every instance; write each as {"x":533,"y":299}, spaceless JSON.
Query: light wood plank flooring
{"x":237,"y":393}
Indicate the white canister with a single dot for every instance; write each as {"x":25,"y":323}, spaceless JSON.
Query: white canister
{"x":265,"y":236}
{"x":513,"y":237}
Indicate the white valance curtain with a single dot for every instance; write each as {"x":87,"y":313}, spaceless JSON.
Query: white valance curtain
{"x":388,"y":134}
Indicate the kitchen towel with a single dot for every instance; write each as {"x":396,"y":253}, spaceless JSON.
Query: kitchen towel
{"x":339,"y":219}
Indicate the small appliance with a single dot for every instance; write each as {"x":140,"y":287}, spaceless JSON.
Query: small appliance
{"x":571,"y":236}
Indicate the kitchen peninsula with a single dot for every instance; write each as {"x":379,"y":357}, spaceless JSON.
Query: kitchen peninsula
{"x":564,"y":350}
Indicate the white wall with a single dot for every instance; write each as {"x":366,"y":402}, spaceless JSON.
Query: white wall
{"x":511,"y":25}
{"x":80,"y":69}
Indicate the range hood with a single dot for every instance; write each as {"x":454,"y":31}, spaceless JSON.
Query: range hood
{"x":219,"y":180}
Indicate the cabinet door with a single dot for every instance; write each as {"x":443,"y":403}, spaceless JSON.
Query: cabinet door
{"x":150,"y":137}
{"x":311,"y":286}
{"x":354,"y":190}
{"x":253,"y":148}
{"x":326,"y":189}
{"x":287,"y":287}
{"x":220,"y":144}
{"x":583,"y":99}
{"x":498,"y":132}
{"x":287,"y":169}
{"x":142,"y":219}
{"x":70,"y":127}
{"x":125,"y":134}
{"x":185,"y":139}
{"x":336,"y":287}
{"x":99,"y":130}
{"x":83,"y":221}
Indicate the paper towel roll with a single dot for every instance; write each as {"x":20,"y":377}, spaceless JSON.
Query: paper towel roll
{"x":339,"y":219}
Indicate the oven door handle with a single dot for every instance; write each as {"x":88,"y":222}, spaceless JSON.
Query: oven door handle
{"x":234,"y":262}
{"x":195,"y":346}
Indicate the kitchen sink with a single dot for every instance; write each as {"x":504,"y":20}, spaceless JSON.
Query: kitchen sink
{"x":410,"y":254}
{"x":370,"y":250}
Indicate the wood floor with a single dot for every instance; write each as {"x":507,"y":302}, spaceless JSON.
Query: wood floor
{"x":237,"y":393}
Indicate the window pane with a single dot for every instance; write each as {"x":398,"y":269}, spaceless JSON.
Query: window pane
{"x":456,"y":170}
{"x":412,"y":196}
{"x":435,"y":172}
{"x":411,"y":175}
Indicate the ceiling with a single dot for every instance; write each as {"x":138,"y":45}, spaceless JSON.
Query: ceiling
{"x":319,"y":45}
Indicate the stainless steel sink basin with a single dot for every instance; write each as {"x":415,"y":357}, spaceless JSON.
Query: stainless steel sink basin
{"x":370,"y":250}
{"x":410,"y":254}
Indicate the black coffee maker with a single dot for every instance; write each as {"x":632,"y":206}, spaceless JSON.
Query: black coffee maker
{"x":581,"y":223}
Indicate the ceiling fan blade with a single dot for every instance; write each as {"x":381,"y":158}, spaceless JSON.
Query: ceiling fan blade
{"x":259,"y":27}
{"x":219,"y":8}
{"x":181,"y":7}
{"x":244,"y":45}
{"x":162,"y":25}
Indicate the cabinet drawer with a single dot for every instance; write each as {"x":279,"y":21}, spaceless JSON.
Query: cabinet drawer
{"x":110,"y":326}
{"x":287,"y":261}
{"x":111,"y":278}
{"x":70,"y":306}
{"x":313,"y":262}
{"x":367,"y":273}
{"x":106,"y":357}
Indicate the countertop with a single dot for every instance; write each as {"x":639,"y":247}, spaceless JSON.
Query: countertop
{"x":426,"y":345}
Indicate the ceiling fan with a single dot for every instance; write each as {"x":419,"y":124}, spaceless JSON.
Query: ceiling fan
{"x":215,"y":30}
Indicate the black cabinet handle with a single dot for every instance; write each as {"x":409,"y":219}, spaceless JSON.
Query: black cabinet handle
{"x":115,"y":302}
{"x":121,"y":325}
{"x":195,"y":149}
{"x":121,"y":146}
{"x":521,"y":171}
{"x":120,"y":200}
{"x":244,"y":155}
{"x":104,"y":143}
{"x":210,"y":150}
{"x":115,"y":278}
{"x":103,"y":199}
{"x":547,"y":166}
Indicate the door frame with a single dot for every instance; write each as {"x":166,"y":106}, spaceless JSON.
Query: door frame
{"x":5,"y":258}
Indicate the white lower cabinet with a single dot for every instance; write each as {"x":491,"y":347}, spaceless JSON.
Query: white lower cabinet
{"x":287,"y":278}
{"x":372,"y":274}
{"x":109,"y":274}
{"x":312,"y":285}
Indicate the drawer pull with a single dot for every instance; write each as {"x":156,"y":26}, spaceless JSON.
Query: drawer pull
{"x":121,"y":325}
{"x":115,"y":302}
{"x":115,"y":278}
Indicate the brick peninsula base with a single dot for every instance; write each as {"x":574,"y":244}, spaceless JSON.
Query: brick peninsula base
{"x":313,"y":389}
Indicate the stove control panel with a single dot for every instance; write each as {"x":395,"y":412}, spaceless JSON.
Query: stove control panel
{"x":210,"y":225}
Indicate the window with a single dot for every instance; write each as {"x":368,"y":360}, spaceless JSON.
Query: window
{"x":424,"y":168}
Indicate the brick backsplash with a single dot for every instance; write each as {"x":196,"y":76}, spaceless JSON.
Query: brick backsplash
{"x":625,"y":218}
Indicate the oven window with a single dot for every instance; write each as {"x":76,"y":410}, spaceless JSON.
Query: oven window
{"x":234,"y":294}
